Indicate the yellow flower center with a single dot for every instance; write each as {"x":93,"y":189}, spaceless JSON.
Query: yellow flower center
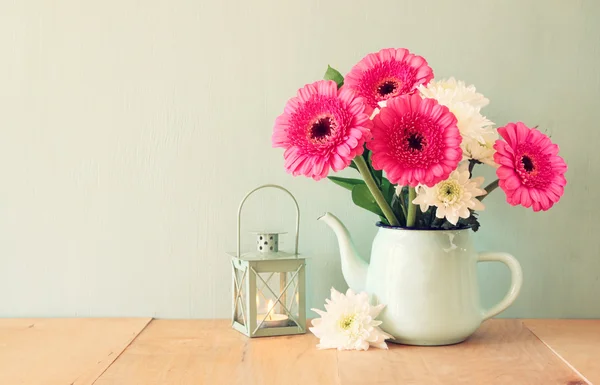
{"x":347,"y":321}
{"x":449,"y":192}
{"x":446,"y":85}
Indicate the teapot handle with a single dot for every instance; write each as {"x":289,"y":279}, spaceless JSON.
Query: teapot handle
{"x":516,"y":281}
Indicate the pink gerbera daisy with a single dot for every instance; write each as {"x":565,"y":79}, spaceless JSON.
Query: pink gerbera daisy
{"x":321,"y":128}
{"x":531,"y":173}
{"x":386,"y":74}
{"x":415,"y":141}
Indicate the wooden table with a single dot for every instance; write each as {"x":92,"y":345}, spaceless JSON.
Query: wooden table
{"x":145,"y":352}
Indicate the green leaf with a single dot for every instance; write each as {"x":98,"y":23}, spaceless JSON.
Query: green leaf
{"x":361,"y":196}
{"x":388,"y":190}
{"x":353,"y":165}
{"x":470,"y":222}
{"x":399,"y":204}
{"x":384,"y":221}
{"x":335,"y":75}
{"x":389,"y":193}
{"x":442,"y":223}
{"x":347,"y":183}
{"x":435,"y":223}
{"x":426,"y":218}
{"x":398,"y":210}
{"x":377,"y":174}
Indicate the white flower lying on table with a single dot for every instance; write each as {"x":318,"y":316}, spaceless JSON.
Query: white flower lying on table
{"x":349,"y":323}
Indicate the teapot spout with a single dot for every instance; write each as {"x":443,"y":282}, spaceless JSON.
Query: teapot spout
{"x":354,"y":268}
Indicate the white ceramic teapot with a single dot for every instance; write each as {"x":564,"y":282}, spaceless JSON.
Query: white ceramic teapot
{"x":426,"y":278}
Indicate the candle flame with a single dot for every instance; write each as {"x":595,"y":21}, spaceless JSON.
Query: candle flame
{"x":297,"y":298}
{"x":270,"y":309}
{"x":257,"y":302}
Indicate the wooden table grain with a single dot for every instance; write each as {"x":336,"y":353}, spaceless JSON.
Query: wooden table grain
{"x":181,"y":352}
{"x":577,"y":342}
{"x":62,"y":351}
{"x":210,"y":352}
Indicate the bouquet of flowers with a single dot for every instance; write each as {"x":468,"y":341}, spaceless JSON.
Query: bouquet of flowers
{"x":415,"y":142}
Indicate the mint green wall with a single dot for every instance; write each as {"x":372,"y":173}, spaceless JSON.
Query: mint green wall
{"x":130,"y":130}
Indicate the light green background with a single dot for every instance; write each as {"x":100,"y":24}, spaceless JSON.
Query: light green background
{"x":131,"y":129}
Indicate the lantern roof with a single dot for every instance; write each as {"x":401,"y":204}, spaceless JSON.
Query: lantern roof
{"x":260,"y":256}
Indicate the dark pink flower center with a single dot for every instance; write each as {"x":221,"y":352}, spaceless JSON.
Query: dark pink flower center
{"x":533,"y":167}
{"x":527,"y":163}
{"x":387,"y":80}
{"x":416,"y":141}
{"x":321,"y":129}
{"x":388,"y":88}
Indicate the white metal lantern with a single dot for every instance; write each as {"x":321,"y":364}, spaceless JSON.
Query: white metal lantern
{"x":268,"y":284}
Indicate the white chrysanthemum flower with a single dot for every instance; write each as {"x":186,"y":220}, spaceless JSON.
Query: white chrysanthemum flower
{"x":454,"y":196}
{"x":470,"y":122}
{"x":465,"y":103}
{"x":349,"y":323}
{"x":483,"y":152}
{"x":451,"y":91}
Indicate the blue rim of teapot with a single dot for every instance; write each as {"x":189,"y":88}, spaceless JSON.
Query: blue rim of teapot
{"x":383,"y":225}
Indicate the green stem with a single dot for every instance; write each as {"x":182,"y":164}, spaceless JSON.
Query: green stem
{"x":489,"y":188}
{"x":375,"y":191}
{"x":401,"y":200}
{"x":411,"y":217}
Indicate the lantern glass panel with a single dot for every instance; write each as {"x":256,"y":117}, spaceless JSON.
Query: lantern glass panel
{"x":240,"y":294}
{"x":277,"y":295}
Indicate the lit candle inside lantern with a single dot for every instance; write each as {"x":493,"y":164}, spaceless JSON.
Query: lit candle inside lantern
{"x":272,"y":320}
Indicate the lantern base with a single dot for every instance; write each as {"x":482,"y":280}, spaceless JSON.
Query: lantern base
{"x":270,"y":332}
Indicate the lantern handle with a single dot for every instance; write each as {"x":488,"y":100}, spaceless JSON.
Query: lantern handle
{"x":239,"y":216}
